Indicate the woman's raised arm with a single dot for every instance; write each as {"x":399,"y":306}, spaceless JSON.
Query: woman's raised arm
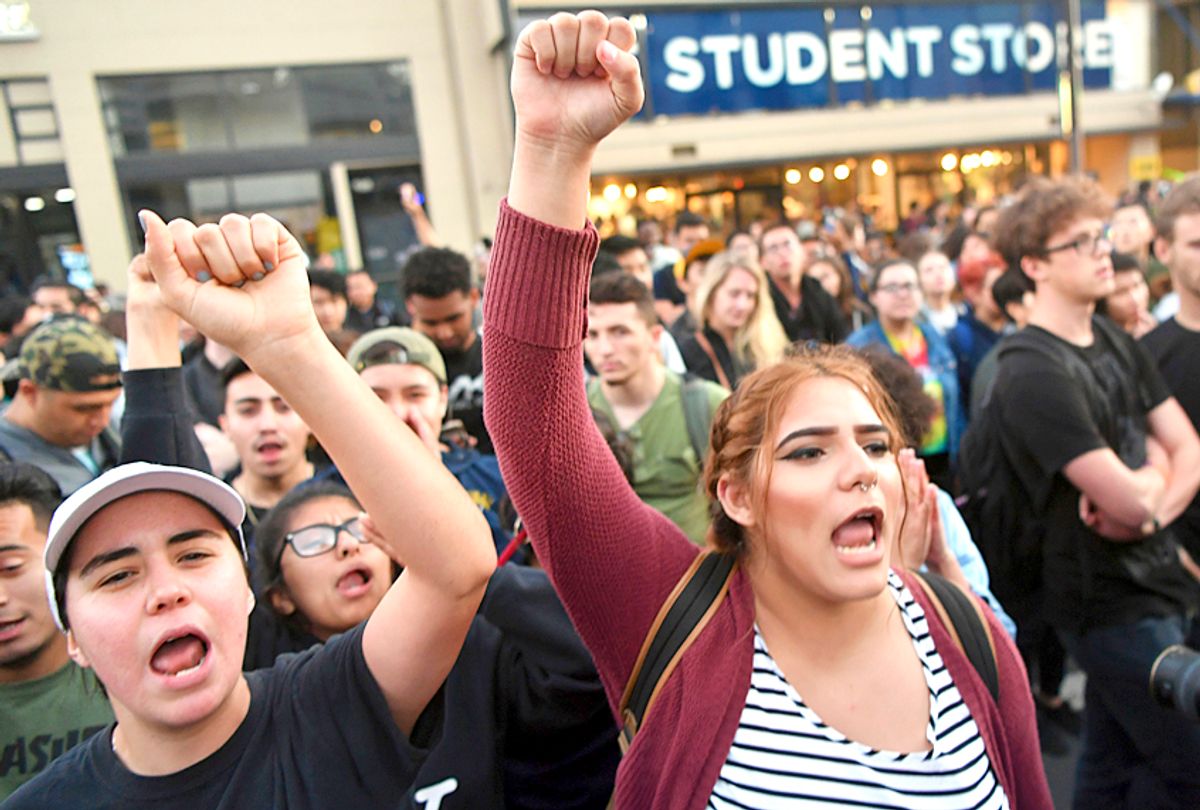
{"x":612,"y":558}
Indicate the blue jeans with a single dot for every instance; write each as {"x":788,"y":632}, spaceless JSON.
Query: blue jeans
{"x":1135,"y":754}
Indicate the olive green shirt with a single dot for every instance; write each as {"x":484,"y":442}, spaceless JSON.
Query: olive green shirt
{"x":666,"y":469}
{"x":43,"y":718}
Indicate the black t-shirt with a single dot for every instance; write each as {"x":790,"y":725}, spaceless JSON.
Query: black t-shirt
{"x":270,"y":636}
{"x":318,"y":734}
{"x":818,"y":317}
{"x":666,"y":288}
{"x":1177,"y":352}
{"x":526,"y":721}
{"x":1055,"y":418}
{"x":464,"y":376}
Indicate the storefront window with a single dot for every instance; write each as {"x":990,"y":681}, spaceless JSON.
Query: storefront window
{"x":282,"y":106}
{"x":298,"y":199}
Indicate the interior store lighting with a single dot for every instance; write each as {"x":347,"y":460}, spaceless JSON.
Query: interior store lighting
{"x":656,"y":194}
{"x":816,"y":174}
{"x":841,"y":171}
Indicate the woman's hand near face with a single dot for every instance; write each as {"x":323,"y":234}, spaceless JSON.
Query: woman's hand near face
{"x":915,"y":537}
{"x":372,"y":535}
{"x":923,"y":542}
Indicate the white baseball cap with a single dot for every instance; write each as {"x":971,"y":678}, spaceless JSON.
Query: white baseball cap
{"x":128,"y":479}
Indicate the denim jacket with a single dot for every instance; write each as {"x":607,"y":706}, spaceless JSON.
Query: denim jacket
{"x":941,"y":360}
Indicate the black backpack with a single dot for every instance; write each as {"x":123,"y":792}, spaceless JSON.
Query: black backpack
{"x":1002,"y":499}
{"x":699,"y":593}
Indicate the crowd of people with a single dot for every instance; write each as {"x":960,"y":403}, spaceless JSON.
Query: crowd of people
{"x":270,"y":540}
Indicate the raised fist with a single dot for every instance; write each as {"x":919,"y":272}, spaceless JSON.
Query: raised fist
{"x":574,"y":80}
{"x":242,"y":282}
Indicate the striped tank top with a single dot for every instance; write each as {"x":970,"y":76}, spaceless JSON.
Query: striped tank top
{"x":784,"y":756}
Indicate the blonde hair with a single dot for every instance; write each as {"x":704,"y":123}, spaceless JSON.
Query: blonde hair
{"x":745,"y":421}
{"x":761,"y":340}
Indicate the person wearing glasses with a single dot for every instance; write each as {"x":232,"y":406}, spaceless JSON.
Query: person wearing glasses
{"x":1094,"y":424}
{"x":523,"y":680}
{"x":147,"y":577}
{"x":896,"y":296}
{"x":803,"y":307}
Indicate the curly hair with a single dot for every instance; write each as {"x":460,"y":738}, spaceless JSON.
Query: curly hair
{"x":1182,"y":200}
{"x":1042,"y":208}
{"x":914,"y":408}
{"x":743,"y":422}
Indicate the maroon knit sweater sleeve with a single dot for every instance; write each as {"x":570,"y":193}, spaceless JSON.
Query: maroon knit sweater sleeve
{"x":612,"y":559}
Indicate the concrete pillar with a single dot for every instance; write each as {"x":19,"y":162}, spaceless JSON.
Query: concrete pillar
{"x":98,"y":207}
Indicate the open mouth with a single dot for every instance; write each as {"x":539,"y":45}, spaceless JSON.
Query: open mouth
{"x":354,"y":582}
{"x":179,"y":655}
{"x":11,"y":628}
{"x":858,"y":534}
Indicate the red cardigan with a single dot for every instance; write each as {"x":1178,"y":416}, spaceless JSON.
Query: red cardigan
{"x":613,"y":560}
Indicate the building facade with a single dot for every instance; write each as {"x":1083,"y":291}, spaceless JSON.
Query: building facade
{"x":312,"y":111}
{"x":316,"y":112}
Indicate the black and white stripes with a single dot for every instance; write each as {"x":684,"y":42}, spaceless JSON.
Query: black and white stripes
{"x":784,"y":756}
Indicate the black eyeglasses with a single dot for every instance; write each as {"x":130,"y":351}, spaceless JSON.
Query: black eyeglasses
{"x":319,"y":538}
{"x":1091,"y":243}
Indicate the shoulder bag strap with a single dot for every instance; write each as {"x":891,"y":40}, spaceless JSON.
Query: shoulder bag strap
{"x":697,"y":415}
{"x":964,"y":619}
{"x":683,"y":615}
{"x":712,"y":355}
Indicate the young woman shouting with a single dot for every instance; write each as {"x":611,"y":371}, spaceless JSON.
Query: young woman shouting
{"x":824,"y":676}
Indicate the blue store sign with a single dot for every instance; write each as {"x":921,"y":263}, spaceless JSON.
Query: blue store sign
{"x":783,"y":59}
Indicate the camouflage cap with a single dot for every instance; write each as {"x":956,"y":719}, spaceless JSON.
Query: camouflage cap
{"x":70,"y":354}
{"x":397,"y":345}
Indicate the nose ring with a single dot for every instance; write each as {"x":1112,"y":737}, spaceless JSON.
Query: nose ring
{"x":865,"y":487}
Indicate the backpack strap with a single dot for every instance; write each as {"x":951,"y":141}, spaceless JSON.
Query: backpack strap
{"x":697,"y":415}
{"x":683,"y":615}
{"x":707,"y":346}
{"x":963,"y":618}
{"x":1120,"y":342}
